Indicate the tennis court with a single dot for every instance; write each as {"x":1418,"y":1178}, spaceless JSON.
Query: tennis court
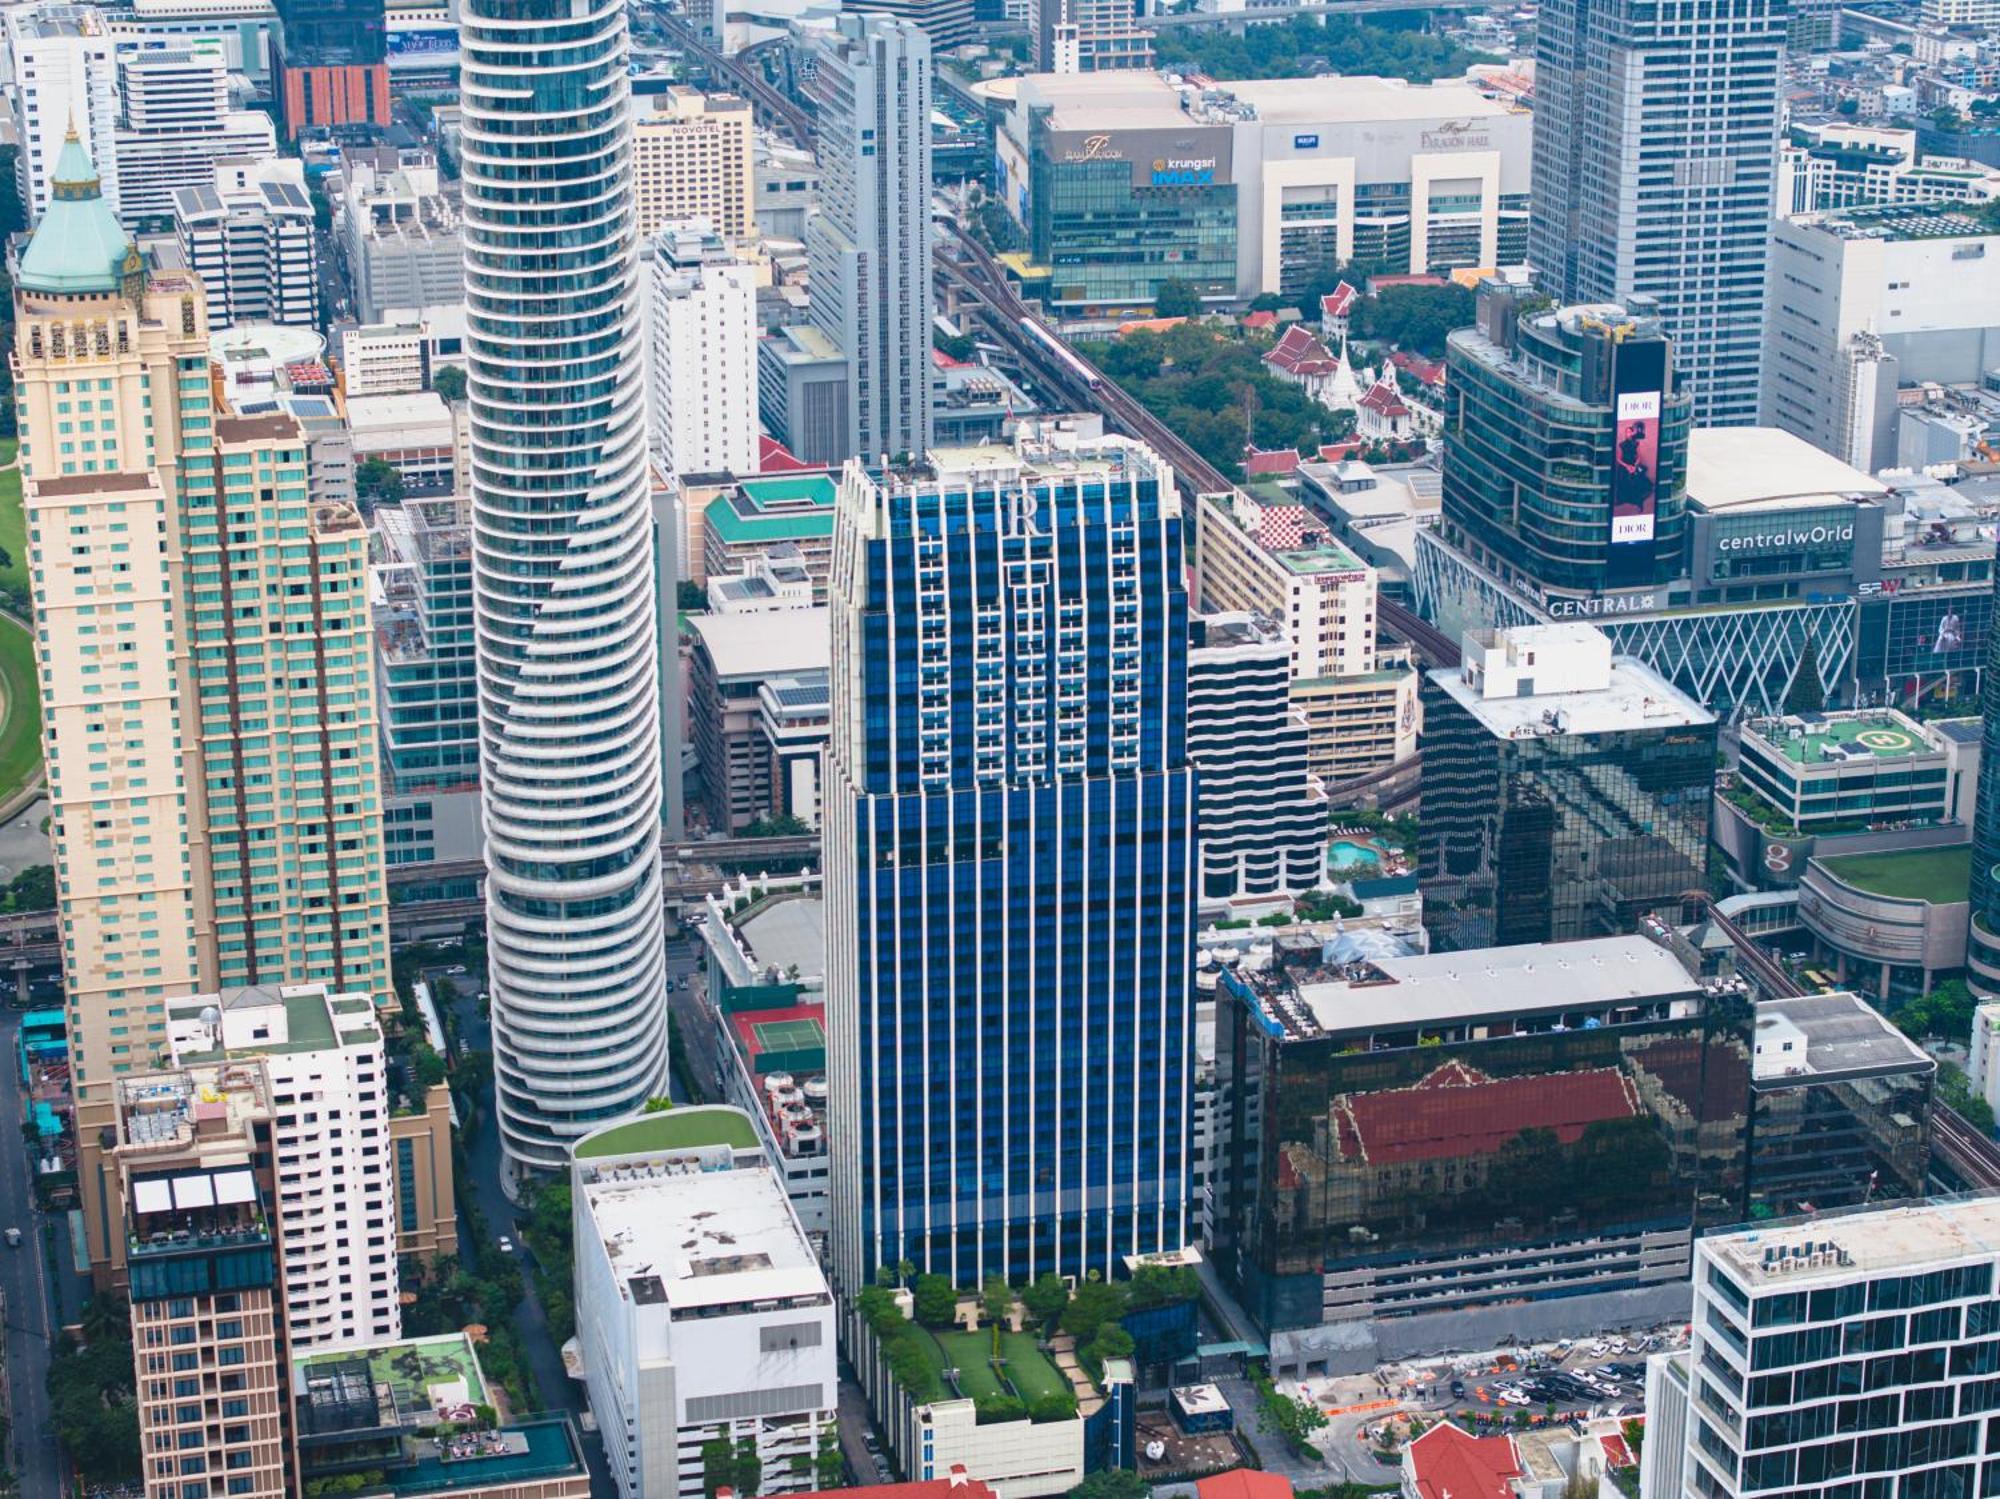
{"x":788,"y":1035}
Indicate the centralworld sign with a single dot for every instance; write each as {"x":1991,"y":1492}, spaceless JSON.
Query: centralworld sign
{"x":1786,"y":536}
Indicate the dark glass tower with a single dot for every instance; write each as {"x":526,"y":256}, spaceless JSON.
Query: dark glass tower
{"x":1009,"y":867}
{"x":332,"y":65}
{"x":1982,"y":947}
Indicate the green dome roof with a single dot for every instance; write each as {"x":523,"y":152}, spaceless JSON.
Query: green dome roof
{"x":79,"y":246}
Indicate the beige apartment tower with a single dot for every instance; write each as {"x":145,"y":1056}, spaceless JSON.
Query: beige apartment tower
{"x":692,"y":159}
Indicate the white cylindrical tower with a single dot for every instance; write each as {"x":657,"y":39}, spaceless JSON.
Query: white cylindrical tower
{"x":563,"y":578}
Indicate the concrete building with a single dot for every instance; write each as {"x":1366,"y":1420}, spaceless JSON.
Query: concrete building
{"x":401,"y":354}
{"x":1256,"y":187}
{"x":1873,"y":299}
{"x":870,"y":245}
{"x":322,"y":1056}
{"x":63,"y":75}
{"x":419,"y":434}
{"x":1785,"y":1314}
{"x":86,"y":309}
{"x":401,"y":229}
{"x":786,"y":187}
{"x":176,"y":123}
{"x":948,"y":23}
{"x":692,"y":159}
{"x":787,"y":517}
{"x":243,"y":27}
{"x":1655,"y":163}
{"x":1891,"y":923}
{"x":1281,"y":561}
{"x":421,"y":599}
{"x":1831,"y":165}
{"x":571,"y":745}
{"x":701,"y":1311}
{"x":1260,"y":812}
{"x":1982,"y":1066}
{"x":192,"y":1246}
{"x":737,"y":661}
{"x":249,"y":235}
{"x":1090,"y":36}
{"x":766,"y":968}
{"x":1566,"y":791}
{"x":703,"y":327}
{"x":383,"y":1404}
{"x":803,"y":392}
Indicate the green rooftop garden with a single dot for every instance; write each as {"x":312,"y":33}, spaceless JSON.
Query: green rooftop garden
{"x":1938,"y":875}
{"x":676,"y":1129}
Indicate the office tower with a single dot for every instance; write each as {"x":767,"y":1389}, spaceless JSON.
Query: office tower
{"x":562,"y":577}
{"x":691,"y":159}
{"x":870,"y":247}
{"x":703,"y":327}
{"x":320,"y":1053}
{"x":757,"y":703}
{"x":1566,"y":792}
{"x":63,"y":67}
{"x":1834,"y":1354}
{"x":1281,"y":561}
{"x":283,"y":705}
{"x":1353,"y":1087}
{"x":1260,"y":814}
{"x":331,"y":64}
{"x":249,"y":236}
{"x":194,"y":1218}
{"x":175,"y":126}
{"x":1010,"y":864}
{"x":424,"y":653}
{"x":1090,"y":36}
{"x":702,"y":1311}
{"x":1566,"y":442}
{"x":1655,"y":160}
{"x":1901,"y":285}
{"x":95,"y":332}
{"x":947,"y":23}
{"x":803,"y":395}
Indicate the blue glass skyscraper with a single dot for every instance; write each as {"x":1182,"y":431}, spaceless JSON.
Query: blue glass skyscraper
{"x":1009,"y":862}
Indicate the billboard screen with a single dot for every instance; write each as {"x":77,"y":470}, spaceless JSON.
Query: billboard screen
{"x":1638,"y":393}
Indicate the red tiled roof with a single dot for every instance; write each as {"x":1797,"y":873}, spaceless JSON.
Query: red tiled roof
{"x":1282,"y":461}
{"x":1617,"y":1454}
{"x":944,"y":361}
{"x":773,"y":457}
{"x":1451,"y":1464}
{"x":1429,"y":371}
{"x":1376,"y":283}
{"x":1338,"y":302}
{"x":1454,"y":1119}
{"x":1265,"y":319}
{"x":1299,"y":353}
{"x":1334,"y":452}
{"x":1384,"y":401}
{"x":1244,"y":1483}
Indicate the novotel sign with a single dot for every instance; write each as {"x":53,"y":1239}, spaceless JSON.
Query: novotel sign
{"x":1785,"y":537}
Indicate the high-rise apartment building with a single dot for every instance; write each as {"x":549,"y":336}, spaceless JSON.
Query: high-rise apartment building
{"x":1010,"y":864}
{"x":948,"y":23}
{"x":693,"y":158}
{"x":563,"y":575}
{"x":702,"y":317}
{"x":1656,"y":145}
{"x":175,"y":125}
{"x":249,"y":235}
{"x":283,"y":703}
{"x":1090,"y":36}
{"x":1566,"y":442}
{"x":1262,"y":814}
{"x":870,"y":247}
{"x":321,"y":1053}
{"x":110,"y":375}
{"x":404,"y":247}
{"x":1982,"y":946}
{"x":1842,"y":1354}
{"x":424,"y":653}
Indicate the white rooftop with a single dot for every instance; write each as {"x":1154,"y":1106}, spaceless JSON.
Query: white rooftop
{"x":766,"y":644}
{"x":1862,"y":1241}
{"x":1140,"y":100}
{"x":1497,"y":685}
{"x":1536,"y":977}
{"x":702,"y":1238}
{"x":1764,"y":468}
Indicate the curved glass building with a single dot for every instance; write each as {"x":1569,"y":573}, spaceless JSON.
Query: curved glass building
{"x":563,"y":575}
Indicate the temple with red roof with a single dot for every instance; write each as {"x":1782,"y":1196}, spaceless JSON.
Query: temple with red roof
{"x":1447,"y":1463}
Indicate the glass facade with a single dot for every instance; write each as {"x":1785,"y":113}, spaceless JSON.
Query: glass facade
{"x":1983,"y":942}
{"x":1109,"y":242}
{"x":1837,"y":1142}
{"x":1009,"y":857}
{"x":1533,"y":444}
{"x":1488,"y":1158}
{"x":1559,"y":836}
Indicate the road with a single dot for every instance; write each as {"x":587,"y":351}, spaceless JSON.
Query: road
{"x":24,"y":1279}
{"x":481,"y":1183}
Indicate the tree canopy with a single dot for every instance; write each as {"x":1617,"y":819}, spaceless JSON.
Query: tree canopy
{"x":1302,"y":45}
